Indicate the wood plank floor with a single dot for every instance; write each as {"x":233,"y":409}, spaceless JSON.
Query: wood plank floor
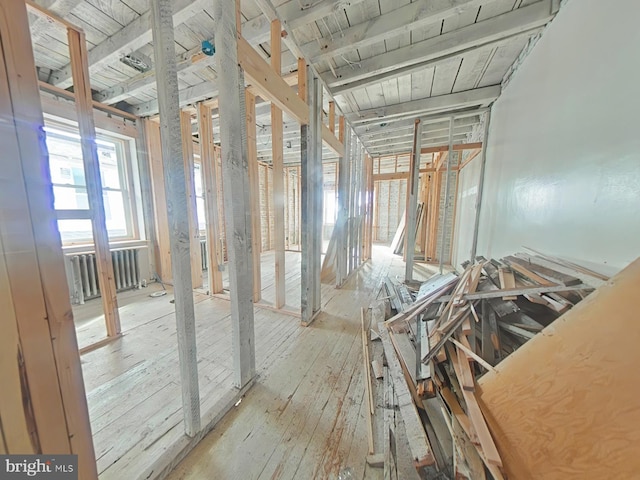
{"x":304,"y":417}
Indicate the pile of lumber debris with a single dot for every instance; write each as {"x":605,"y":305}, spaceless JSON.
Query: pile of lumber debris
{"x":442,"y":337}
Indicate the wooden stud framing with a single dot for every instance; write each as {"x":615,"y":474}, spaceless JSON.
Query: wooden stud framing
{"x":344,"y":173}
{"x":254,"y":182}
{"x":43,"y":402}
{"x":194,"y":230}
{"x":86,"y":128}
{"x":237,"y":198}
{"x":412,"y":205}
{"x":177,"y":208}
{"x":161,"y":221}
{"x":279,"y":197}
{"x":311,"y":146}
{"x":270,"y":85}
{"x":210,"y":187}
{"x":332,"y":117}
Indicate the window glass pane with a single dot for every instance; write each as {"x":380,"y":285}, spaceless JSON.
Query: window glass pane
{"x":67,"y":173}
{"x":202,"y":225}
{"x":75,"y":231}
{"x":65,"y":158}
{"x":115,"y":214}
{"x":197,"y":177}
{"x":70,"y":198}
{"x":109,"y":171}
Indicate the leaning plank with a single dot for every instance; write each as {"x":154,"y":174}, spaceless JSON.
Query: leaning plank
{"x":211,"y":208}
{"x":548,"y":273}
{"x":194,"y":231}
{"x":418,"y":441}
{"x":463,"y":370}
{"x":515,"y":291}
{"x":525,"y":272}
{"x":86,"y":127}
{"x":366,"y":371}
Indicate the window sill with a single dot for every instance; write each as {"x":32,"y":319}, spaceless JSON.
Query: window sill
{"x":117,"y":245}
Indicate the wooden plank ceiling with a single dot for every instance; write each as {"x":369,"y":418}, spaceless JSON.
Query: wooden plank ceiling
{"x":385,"y":62}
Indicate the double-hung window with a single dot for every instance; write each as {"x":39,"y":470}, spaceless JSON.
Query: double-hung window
{"x":69,"y":186}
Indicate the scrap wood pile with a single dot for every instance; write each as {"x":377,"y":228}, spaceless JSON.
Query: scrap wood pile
{"x":447,"y":334}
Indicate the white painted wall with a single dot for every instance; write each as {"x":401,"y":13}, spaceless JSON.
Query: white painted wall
{"x":563,"y":158}
{"x":465,"y":212}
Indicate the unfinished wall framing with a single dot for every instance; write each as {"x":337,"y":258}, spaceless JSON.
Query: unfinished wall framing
{"x":44,"y":406}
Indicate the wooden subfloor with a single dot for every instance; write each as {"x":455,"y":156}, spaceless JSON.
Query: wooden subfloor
{"x":303,"y":418}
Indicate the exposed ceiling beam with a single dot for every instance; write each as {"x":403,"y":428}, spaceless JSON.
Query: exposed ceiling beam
{"x":62,"y":8}
{"x":379,"y":124}
{"x":375,"y":128}
{"x":434,"y":50}
{"x":401,"y":20}
{"x":129,"y":39}
{"x":404,"y":136}
{"x":254,"y":31}
{"x":295,"y":14}
{"x":188,"y":96}
{"x":442,"y":103}
{"x":405,"y":148}
{"x":406,"y":126}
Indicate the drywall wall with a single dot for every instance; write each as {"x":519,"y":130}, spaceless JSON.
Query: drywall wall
{"x":465,"y":212}
{"x":563,"y":158}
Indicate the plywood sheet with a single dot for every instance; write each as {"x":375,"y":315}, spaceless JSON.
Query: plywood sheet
{"x":565,"y":405}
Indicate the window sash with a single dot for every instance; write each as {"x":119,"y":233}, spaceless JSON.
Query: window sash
{"x":125,"y":180}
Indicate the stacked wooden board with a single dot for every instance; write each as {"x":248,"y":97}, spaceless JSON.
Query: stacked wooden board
{"x":455,"y":330}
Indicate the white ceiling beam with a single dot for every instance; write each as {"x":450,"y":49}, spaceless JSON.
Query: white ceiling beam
{"x":40,"y":26}
{"x":441,"y":48}
{"x":425,"y":117}
{"x":396,"y":22}
{"x":404,"y":147}
{"x":127,"y":40}
{"x":375,"y":128}
{"x":407,"y":125}
{"x":255,"y":31}
{"x":440,"y":104}
{"x":195,"y":93}
{"x":403,"y":135}
{"x":295,"y":14}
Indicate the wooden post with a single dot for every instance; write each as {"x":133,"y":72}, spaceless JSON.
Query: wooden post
{"x":86,"y":128}
{"x":178,"y":213}
{"x":476,"y":223}
{"x":311,"y":149}
{"x":344,"y":173}
{"x":210,"y":187}
{"x":42,"y":401}
{"x":161,"y":244}
{"x":143,"y":162}
{"x":254,"y":182}
{"x":194,"y":230}
{"x":370,"y":210}
{"x":302,"y":79}
{"x":237,"y":198}
{"x":412,"y":195}
{"x":278,"y":173}
{"x":332,"y":117}
{"x":446,"y":195}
